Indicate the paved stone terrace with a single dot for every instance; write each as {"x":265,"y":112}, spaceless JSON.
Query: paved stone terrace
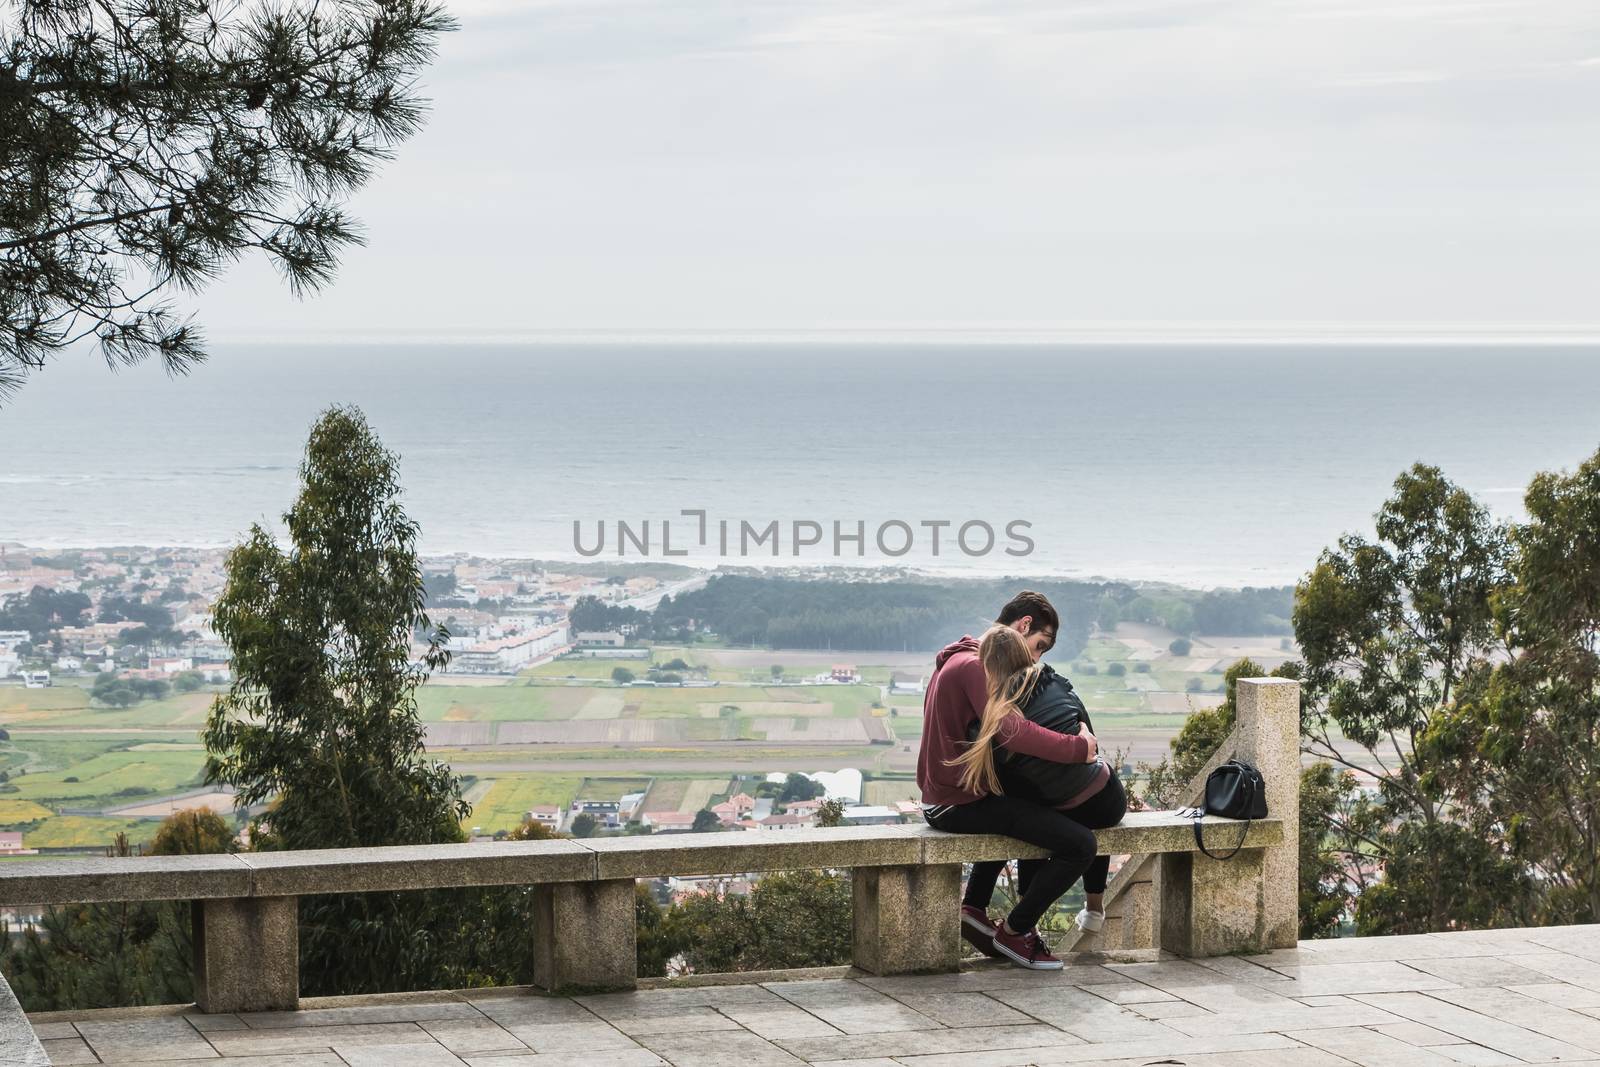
{"x":1483,"y":998}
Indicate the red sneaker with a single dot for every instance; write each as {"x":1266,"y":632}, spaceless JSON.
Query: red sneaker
{"x":977,"y":929}
{"x":1025,"y":950}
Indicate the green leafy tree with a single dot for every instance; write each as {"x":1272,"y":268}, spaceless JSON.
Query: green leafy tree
{"x":1334,"y":824}
{"x":790,"y":919}
{"x":321,"y":720}
{"x":1107,"y":614}
{"x":584,"y":825}
{"x":189,"y":681}
{"x":798,"y":786}
{"x":1524,"y":739}
{"x":621,"y":675}
{"x":1390,"y":629}
{"x":145,"y":147}
{"x":706,"y":821}
{"x":831,"y":812}
{"x":657,"y":941}
{"x":533,"y":830}
{"x":1178,"y":616}
{"x":42,"y":610}
{"x":1180,"y":646}
{"x":191,"y":832}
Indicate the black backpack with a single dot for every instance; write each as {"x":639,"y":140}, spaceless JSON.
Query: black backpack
{"x":1234,"y":790}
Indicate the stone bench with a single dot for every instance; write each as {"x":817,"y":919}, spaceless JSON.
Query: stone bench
{"x":906,"y":883}
{"x":906,"y":887}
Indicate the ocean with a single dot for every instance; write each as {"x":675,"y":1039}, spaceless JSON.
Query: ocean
{"x":1206,"y":465}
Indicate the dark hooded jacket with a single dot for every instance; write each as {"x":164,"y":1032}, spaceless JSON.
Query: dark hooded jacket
{"x":1055,"y":706}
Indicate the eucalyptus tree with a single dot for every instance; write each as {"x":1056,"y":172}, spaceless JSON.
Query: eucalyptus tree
{"x":320,"y":721}
{"x":1391,"y":628}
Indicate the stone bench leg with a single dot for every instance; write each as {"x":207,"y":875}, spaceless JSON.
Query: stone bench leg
{"x":585,"y":936}
{"x":1211,"y":907}
{"x":907,"y":919}
{"x":247,"y":954}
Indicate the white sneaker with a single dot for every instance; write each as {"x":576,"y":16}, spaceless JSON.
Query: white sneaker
{"x":1090,"y":921}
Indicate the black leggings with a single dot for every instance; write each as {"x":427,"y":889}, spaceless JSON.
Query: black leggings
{"x":1068,"y":835}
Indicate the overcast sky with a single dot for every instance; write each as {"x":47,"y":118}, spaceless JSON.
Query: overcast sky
{"x":740,"y":165}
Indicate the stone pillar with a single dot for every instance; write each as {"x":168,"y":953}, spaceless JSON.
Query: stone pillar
{"x":1212,"y":907}
{"x":907,"y":919}
{"x":1251,"y":901}
{"x":247,"y":954}
{"x":585,"y":936}
{"x":1267,"y":734}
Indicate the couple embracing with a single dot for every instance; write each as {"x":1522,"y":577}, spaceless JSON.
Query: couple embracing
{"x":1008,"y":748}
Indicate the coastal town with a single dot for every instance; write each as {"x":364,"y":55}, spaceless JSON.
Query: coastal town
{"x":115,"y":646}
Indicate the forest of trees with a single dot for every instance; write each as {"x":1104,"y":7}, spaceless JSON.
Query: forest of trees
{"x":912,"y":615}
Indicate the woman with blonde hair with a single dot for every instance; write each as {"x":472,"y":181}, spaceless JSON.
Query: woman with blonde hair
{"x":1058,"y":805}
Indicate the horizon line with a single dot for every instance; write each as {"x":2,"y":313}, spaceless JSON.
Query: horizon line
{"x":1312,"y":334}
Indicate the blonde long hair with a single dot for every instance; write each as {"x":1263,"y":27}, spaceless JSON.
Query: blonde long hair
{"x":1011,"y":674}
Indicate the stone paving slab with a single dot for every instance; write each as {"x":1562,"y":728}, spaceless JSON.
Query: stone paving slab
{"x":1480,"y":999}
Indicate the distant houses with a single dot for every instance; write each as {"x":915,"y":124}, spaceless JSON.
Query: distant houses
{"x":507,"y":655}
{"x":605,"y":812}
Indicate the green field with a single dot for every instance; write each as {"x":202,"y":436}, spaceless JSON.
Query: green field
{"x":15,"y":811}
{"x":487,"y":703}
{"x":82,"y":831}
{"x":68,"y":705}
{"x":511,"y":796}
{"x":106,"y":778}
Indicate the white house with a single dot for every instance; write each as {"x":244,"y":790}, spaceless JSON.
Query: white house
{"x":547,"y":815}
{"x":906,"y":683}
{"x":218,"y":673}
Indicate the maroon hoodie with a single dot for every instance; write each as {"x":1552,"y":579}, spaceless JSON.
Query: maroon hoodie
{"x":954,"y":700}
